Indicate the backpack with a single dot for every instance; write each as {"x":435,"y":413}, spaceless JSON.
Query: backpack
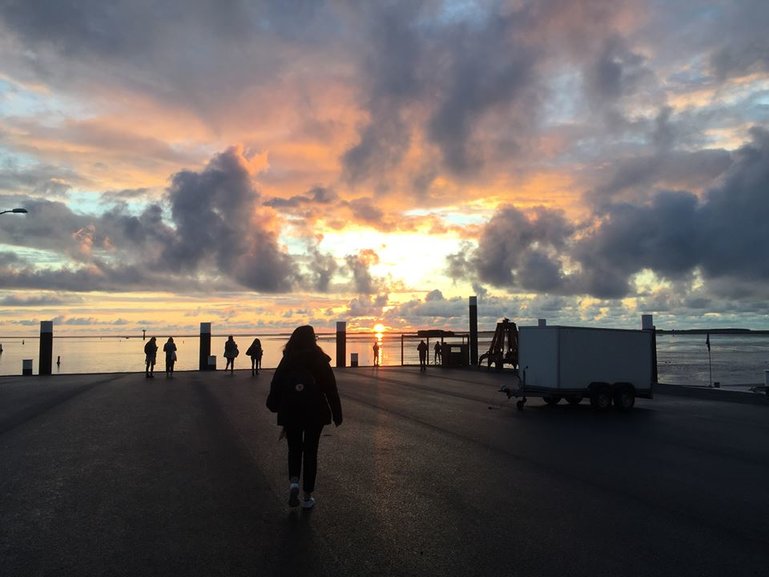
{"x":297,"y":392}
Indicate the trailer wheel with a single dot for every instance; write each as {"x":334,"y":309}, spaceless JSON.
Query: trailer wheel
{"x":574,"y":399}
{"x":520,"y":404}
{"x":624,"y":396}
{"x":551,"y":400}
{"x":600,"y":396}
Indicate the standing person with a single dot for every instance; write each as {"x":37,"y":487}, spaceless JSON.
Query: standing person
{"x":170,"y":350}
{"x":437,"y":352}
{"x":230,"y":352}
{"x":376,"y":353}
{"x":150,"y":357}
{"x":255,"y":352}
{"x":422,"y":348}
{"x":303,"y":393}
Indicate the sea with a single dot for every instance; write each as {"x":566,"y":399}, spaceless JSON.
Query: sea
{"x":738,"y":361}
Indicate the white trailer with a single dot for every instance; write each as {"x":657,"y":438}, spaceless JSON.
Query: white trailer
{"x":608,"y":366}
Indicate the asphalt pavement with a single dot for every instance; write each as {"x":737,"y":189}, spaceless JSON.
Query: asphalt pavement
{"x":432,"y":473}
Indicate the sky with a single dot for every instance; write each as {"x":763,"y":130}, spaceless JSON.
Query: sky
{"x":261,"y":164}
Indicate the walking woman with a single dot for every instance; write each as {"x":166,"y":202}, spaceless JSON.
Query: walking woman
{"x":303,"y":393}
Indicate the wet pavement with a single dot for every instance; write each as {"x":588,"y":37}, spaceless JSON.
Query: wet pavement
{"x":430,"y":474}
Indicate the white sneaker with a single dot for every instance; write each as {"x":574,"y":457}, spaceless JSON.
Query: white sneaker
{"x":293,"y":495}
{"x":308,"y":503}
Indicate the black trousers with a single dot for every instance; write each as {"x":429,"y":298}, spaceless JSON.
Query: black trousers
{"x":303,"y":443}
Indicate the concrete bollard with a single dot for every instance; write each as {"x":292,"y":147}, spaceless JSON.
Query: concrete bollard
{"x":474,"y":331}
{"x":205,"y":346}
{"x":341,"y":344}
{"x":26,"y":367}
{"x":46,"y":348}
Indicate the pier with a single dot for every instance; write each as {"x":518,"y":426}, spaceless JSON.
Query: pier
{"x":433,"y":474}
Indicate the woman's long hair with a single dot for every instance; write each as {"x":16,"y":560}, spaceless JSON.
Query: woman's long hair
{"x":303,"y":338}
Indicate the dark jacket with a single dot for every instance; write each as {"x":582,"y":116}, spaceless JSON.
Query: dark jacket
{"x":327,"y":405}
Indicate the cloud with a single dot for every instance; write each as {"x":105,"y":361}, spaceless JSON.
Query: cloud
{"x":318,"y":195}
{"x":358,"y":265}
{"x":675,"y":234}
{"x":219,"y":223}
{"x":599,"y":141}
{"x":22,"y":300}
{"x":44,"y":179}
{"x":434,"y":295}
{"x":323,"y":267}
{"x":515,"y":249}
{"x":217,"y":228}
{"x":746,"y":52}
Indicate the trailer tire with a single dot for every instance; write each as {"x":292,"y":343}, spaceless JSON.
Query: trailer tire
{"x":624,"y":396}
{"x":574,"y":399}
{"x":551,"y":400}
{"x":600,"y":396}
{"x":520,"y":404}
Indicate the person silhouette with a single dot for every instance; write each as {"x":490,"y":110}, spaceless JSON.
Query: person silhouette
{"x":422,"y":348}
{"x":376,"y":353}
{"x":150,"y":357}
{"x":170,"y":350}
{"x":438,"y":350}
{"x":304,"y":395}
{"x":255,"y":352}
{"x":230,"y":352}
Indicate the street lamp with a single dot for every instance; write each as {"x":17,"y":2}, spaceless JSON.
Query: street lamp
{"x":15,"y":211}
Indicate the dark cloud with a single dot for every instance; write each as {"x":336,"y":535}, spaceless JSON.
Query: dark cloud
{"x":458,"y":72}
{"x":323,"y":267}
{"x":367,"y":306}
{"x":95,"y":277}
{"x":675,"y":234}
{"x":199,"y":55}
{"x":434,"y":295}
{"x":365,"y":210}
{"x":358,"y":265}
{"x":616,"y":72}
{"x":488,"y":69}
{"x":391,"y":76}
{"x":23,"y":300}
{"x":218,"y":224}
{"x":44,"y":180}
{"x":316,"y":196}
{"x":744,"y":52}
{"x":218,"y":233}
{"x":518,"y":250}
{"x":631,"y":178}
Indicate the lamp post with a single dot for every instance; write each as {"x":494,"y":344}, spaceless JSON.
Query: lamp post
{"x":15,"y":211}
